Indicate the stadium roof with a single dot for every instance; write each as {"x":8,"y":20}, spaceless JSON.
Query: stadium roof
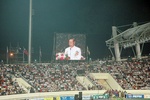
{"x":131,"y":36}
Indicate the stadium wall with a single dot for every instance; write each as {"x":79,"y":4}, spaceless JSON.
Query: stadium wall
{"x":49,"y":94}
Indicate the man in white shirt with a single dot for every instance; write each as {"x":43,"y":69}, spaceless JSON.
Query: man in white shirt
{"x":73,"y":52}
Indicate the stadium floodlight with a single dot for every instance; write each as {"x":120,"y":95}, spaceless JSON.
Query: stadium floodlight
{"x":11,"y":54}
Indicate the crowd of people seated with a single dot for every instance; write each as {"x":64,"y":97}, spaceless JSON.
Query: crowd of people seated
{"x":130,"y":74}
{"x":48,"y":78}
{"x":8,"y":86}
{"x":136,"y":74}
{"x":62,"y":76}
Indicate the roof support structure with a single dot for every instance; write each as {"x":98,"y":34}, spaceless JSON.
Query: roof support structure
{"x":137,"y":45}
{"x":134,"y":36}
{"x":116,"y":44}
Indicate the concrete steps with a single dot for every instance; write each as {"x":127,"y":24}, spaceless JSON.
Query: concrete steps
{"x":104,"y":84}
{"x":84,"y":81}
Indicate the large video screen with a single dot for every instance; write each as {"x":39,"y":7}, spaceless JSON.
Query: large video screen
{"x":70,"y":46}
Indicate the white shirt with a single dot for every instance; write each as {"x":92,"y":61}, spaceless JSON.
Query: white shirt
{"x":74,"y":53}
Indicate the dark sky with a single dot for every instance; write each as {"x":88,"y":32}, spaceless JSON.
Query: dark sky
{"x":91,"y":17}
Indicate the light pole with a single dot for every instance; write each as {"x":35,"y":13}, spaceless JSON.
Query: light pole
{"x":30,"y":31}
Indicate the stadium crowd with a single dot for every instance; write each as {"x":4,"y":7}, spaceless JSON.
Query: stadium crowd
{"x":48,"y":78}
{"x":130,"y":74}
{"x":51,"y":77}
{"x":8,"y":86}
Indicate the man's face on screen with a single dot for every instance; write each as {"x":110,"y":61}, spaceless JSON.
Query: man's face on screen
{"x":71,"y":42}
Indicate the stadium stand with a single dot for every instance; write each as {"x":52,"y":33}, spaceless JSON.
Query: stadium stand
{"x":53,"y":77}
{"x":8,"y":86}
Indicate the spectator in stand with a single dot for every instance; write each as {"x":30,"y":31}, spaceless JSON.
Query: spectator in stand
{"x":7,"y":85}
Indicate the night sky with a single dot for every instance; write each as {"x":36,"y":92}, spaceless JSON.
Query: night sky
{"x":91,"y":17}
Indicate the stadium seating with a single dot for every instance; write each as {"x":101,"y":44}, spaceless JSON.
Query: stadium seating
{"x":53,"y":77}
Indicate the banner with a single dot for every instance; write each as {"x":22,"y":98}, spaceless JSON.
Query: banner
{"x":37,"y":99}
{"x":63,"y":98}
{"x":135,"y":96}
{"x":70,"y":98}
{"x":49,"y":98}
{"x":146,"y":96}
{"x":57,"y":98}
{"x":105,"y":96}
{"x":129,"y":95}
{"x":67,"y":98}
{"x":88,"y":97}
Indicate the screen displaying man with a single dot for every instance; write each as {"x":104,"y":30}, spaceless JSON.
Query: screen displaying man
{"x":73,"y":52}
